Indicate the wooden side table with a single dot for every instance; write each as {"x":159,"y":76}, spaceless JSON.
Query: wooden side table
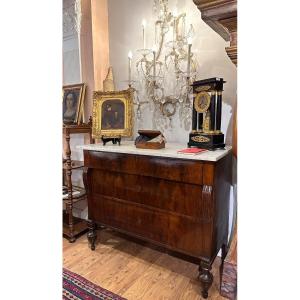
{"x":73,"y":226}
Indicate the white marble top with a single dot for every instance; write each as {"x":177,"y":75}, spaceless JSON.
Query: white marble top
{"x":170,"y":151}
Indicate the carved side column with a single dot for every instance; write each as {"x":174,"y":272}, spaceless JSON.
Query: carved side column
{"x":205,"y":276}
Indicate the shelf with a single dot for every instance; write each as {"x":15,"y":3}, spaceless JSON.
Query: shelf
{"x":73,"y":128}
{"x":78,"y":193}
{"x":75,"y":164}
{"x":79,"y":226}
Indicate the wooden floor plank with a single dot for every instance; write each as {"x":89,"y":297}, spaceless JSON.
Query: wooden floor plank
{"x":166,"y":282}
{"x":134,"y":271}
{"x":126,"y":277}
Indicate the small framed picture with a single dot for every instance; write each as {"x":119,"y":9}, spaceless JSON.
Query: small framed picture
{"x":112,"y":114}
{"x":73,"y":98}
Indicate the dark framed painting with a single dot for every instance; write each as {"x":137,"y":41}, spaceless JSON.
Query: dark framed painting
{"x":73,"y":98}
{"x":112,"y":114}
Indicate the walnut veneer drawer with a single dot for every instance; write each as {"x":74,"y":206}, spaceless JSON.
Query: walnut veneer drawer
{"x":181,"y":170}
{"x":176,"y":232}
{"x":171,"y":196}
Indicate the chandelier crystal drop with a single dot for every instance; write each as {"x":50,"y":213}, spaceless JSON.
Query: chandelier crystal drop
{"x":166,"y":70}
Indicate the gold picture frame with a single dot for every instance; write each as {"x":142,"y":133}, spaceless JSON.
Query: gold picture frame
{"x":72,"y":106}
{"x":112,"y":114}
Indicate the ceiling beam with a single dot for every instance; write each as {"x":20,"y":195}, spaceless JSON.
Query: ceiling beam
{"x":221,"y":16}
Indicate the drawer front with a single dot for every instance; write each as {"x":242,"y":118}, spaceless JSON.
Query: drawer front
{"x":180,"y":170}
{"x":171,"y":196}
{"x":176,"y":232}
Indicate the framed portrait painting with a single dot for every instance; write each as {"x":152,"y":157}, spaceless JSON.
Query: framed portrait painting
{"x":73,"y":98}
{"x":112,"y":114}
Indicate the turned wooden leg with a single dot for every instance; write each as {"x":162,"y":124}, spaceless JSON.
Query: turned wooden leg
{"x":92,"y":234}
{"x":200,"y":270}
{"x":206,"y":278}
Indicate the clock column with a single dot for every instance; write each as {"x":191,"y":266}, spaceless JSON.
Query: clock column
{"x":212,"y":110}
{"x":219,"y":111}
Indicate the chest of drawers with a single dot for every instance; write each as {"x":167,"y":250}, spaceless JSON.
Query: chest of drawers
{"x":178,"y":203}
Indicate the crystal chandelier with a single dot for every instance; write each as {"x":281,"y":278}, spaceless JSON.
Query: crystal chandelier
{"x":166,"y":71}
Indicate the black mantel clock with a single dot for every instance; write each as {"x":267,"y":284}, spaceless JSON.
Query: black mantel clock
{"x":207,"y":113}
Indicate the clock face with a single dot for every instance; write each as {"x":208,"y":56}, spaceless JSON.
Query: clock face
{"x":202,"y":102}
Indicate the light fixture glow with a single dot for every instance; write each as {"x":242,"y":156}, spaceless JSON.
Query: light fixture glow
{"x":154,"y":48}
{"x":175,"y":12}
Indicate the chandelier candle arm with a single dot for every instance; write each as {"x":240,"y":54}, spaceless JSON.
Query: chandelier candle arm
{"x":174,"y":29}
{"x":154,"y":64}
{"x":144,"y":34}
{"x":189,"y":57}
{"x":175,"y":13}
{"x":129,"y":66}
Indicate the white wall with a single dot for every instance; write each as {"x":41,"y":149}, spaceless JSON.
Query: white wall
{"x":125,"y":34}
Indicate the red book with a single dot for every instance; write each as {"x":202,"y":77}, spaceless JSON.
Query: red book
{"x":191,"y":151}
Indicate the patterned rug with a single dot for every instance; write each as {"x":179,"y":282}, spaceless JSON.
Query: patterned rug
{"x":75,"y":287}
